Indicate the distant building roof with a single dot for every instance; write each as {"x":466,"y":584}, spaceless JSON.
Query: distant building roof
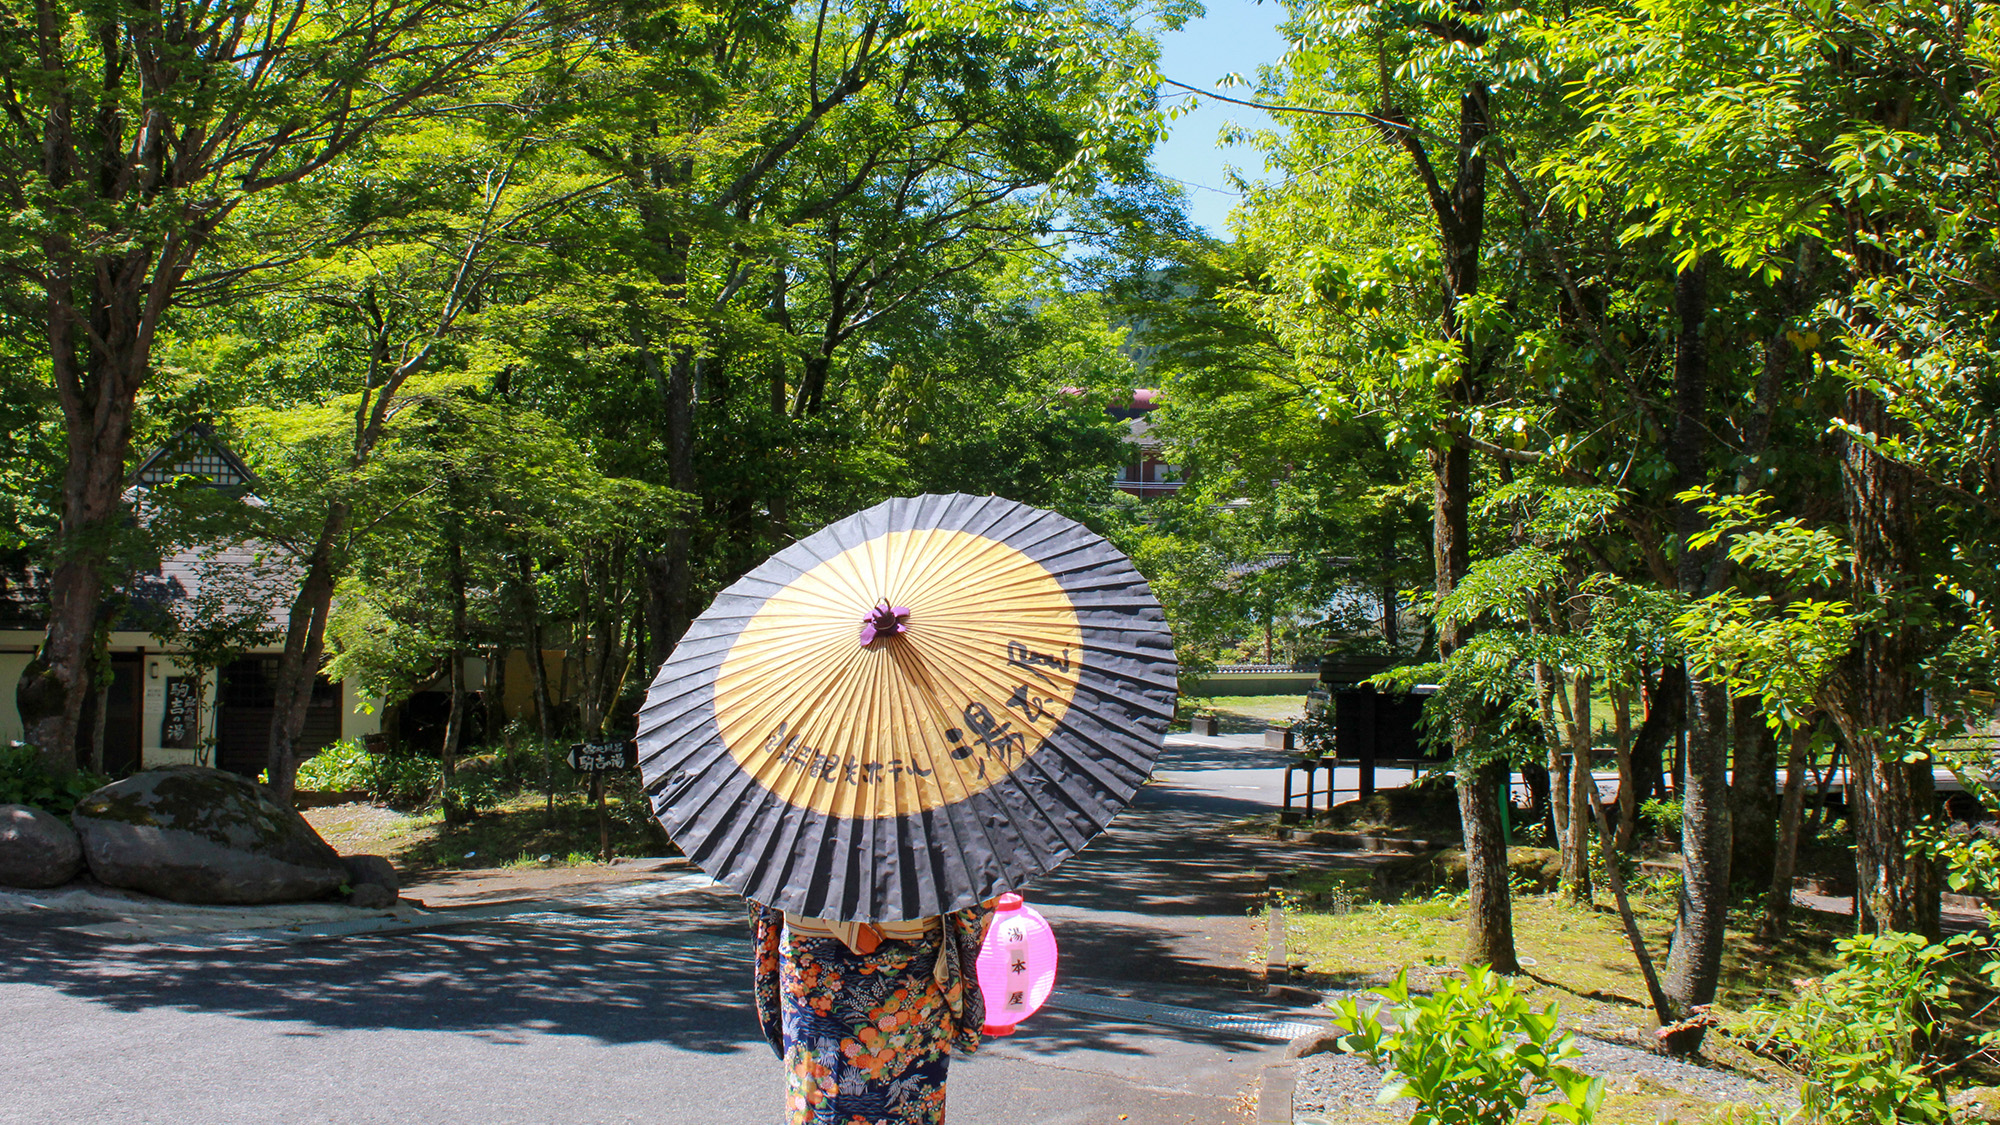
{"x":1142,"y":400}
{"x":244,"y":581}
{"x":195,"y":452}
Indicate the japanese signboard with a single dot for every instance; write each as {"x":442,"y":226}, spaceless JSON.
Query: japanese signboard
{"x":586,"y":756}
{"x":180,"y":717}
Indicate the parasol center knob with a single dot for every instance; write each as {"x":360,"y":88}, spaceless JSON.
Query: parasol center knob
{"x":884,"y":620}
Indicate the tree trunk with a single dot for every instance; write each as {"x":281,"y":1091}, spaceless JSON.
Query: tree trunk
{"x":1489,"y":931}
{"x":102,"y":314}
{"x":531,"y":613}
{"x":454,"y":725}
{"x":100,"y":707}
{"x":1628,"y":780}
{"x":1556,"y":781}
{"x":1489,"y":936}
{"x":1666,"y":711}
{"x":1388,"y":593}
{"x":1778,"y":903}
{"x":52,"y":702}
{"x":670,"y":573}
{"x":1822,"y":786}
{"x":1694,"y":961}
{"x":495,"y":692}
{"x":1461,"y":215}
{"x":298,"y":666}
{"x":1634,"y":939}
{"x":1582,"y":796}
{"x":1877,"y":692}
{"x":603,"y":816}
{"x":1541,"y":807}
{"x":1753,"y":797}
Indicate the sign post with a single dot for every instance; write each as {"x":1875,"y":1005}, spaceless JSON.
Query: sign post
{"x":596,"y":757}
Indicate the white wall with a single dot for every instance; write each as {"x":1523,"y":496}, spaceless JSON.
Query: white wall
{"x":11,"y":664}
{"x":359,"y":714}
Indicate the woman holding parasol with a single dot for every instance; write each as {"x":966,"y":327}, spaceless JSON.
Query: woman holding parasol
{"x":876,"y":732}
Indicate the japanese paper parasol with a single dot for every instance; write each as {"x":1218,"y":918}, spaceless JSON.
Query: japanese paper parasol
{"x":911,"y":711}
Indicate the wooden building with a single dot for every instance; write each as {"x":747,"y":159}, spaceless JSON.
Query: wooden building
{"x":158,"y":709}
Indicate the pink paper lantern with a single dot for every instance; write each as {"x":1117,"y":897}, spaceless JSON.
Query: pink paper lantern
{"x":1017,"y":965}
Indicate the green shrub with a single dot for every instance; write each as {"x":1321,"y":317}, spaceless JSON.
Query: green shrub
{"x":1472,"y":1052}
{"x":1664,"y":817}
{"x":341,"y":766}
{"x":1314,"y":734}
{"x":468,"y":795}
{"x":1857,"y":1036}
{"x":395,"y":779}
{"x":23,"y":781}
{"x":402,"y":779}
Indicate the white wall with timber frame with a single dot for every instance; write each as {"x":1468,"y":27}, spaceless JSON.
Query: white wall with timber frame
{"x":359,"y":715}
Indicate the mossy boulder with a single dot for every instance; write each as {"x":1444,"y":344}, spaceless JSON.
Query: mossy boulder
{"x":36,"y":849}
{"x":1426,"y":811}
{"x":1534,"y":869}
{"x":205,"y":836}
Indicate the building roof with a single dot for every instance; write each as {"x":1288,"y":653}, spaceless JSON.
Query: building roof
{"x":244,"y":581}
{"x":194,"y":452}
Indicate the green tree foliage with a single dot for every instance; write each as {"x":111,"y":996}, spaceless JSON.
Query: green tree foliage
{"x":130,"y":140}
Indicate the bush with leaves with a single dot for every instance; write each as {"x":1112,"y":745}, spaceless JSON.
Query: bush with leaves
{"x":25,"y":781}
{"x":396,"y":779}
{"x":1473,"y":1051}
{"x":1858,"y":1037}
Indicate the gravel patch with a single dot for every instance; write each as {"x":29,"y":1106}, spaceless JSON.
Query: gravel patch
{"x":1340,"y":1088}
{"x":1613,"y":1059}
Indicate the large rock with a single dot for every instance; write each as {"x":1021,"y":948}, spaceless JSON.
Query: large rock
{"x":202,"y":835}
{"x":375,"y":869}
{"x":36,"y":849}
{"x":1532,"y":869}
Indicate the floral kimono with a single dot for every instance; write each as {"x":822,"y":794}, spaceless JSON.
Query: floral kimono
{"x":866,"y":1037}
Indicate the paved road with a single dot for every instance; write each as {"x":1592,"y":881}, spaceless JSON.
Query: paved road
{"x":635,"y":1011}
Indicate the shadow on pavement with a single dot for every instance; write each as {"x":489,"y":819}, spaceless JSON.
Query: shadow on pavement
{"x":682,"y":979}
{"x":1219,"y":755}
{"x":1164,"y":896}
{"x":499,"y":982}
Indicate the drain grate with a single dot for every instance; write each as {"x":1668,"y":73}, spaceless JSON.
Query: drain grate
{"x":1170,"y":1015}
{"x":557,"y":910}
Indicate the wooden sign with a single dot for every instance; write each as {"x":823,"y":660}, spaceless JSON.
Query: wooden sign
{"x":587,"y":756}
{"x":180,"y":721}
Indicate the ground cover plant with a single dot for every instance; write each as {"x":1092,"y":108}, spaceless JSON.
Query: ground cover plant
{"x":516,"y":804}
{"x":1845,"y":1029}
{"x":514,"y":831}
{"x":1247,"y":714}
{"x":26,"y":780}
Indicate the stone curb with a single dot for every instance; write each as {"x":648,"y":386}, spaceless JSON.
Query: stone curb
{"x":1275,"y":1090}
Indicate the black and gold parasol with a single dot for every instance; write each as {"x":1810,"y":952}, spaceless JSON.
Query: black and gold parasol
{"x":913,"y":710}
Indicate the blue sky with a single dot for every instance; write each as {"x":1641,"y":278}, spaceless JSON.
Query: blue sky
{"x":1236,"y":36}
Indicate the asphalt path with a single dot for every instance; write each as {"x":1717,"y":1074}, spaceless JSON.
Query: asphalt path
{"x":639,"y":1011}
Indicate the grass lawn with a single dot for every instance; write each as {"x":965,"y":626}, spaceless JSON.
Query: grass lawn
{"x":1248,"y":714}
{"x":516,"y":832}
{"x":1573,"y":955}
